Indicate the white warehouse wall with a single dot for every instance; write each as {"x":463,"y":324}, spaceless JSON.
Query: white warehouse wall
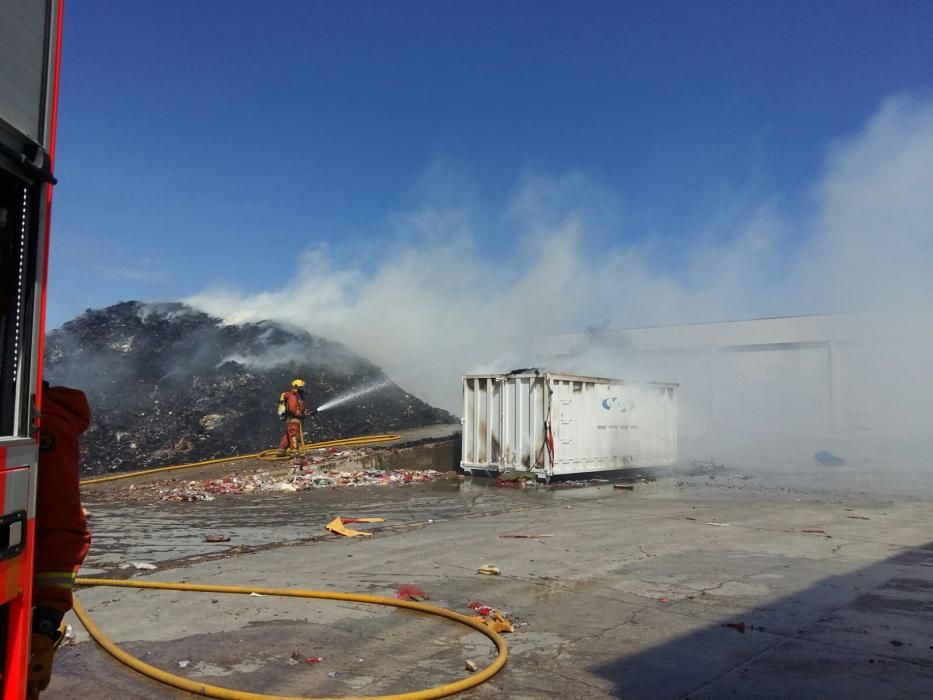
{"x":778,"y":386}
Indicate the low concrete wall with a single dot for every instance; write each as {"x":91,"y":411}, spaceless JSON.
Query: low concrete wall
{"x":441,"y":455}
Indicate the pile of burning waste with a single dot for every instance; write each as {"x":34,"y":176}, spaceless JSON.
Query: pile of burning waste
{"x":169,"y":384}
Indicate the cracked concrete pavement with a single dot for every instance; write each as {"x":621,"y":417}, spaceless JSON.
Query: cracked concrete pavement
{"x":827,"y":589}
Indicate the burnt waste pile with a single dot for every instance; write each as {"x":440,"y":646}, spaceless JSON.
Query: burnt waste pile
{"x":169,"y":384}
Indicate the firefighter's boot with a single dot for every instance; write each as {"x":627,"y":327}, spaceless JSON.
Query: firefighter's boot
{"x":41,"y":653}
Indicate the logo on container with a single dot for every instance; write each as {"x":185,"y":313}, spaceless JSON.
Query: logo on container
{"x":616,"y":404}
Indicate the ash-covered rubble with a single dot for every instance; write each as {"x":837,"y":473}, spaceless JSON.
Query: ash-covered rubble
{"x":168,"y":383}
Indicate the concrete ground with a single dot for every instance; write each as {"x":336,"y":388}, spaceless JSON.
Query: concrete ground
{"x":827,"y":588}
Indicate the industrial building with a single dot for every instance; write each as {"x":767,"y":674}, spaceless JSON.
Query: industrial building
{"x":846,"y":379}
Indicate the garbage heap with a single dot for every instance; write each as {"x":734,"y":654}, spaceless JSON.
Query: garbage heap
{"x":170,"y":384}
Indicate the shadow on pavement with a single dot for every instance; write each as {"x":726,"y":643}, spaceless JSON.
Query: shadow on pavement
{"x":867,"y":633}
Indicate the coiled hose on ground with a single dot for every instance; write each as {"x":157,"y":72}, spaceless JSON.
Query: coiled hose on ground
{"x":213,"y":691}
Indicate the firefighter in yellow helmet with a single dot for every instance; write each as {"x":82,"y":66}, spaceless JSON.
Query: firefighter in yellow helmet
{"x":292,"y":410}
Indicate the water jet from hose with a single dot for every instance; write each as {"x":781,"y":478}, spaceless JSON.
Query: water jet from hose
{"x":355,"y":394}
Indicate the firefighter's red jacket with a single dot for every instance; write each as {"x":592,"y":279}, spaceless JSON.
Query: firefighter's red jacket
{"x":294,"y":405}
{"x":62,"y":537}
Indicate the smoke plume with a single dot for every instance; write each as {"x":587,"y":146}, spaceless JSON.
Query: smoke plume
{"x":438,"y":303}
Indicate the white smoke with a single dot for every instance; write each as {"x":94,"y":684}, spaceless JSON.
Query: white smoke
{"x":872,"y":239}
{"x":284,"y":356}
{"x":437,"y":300}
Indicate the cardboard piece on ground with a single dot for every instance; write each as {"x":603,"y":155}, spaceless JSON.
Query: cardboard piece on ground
{"x":338,"y":526}
{"x":496,"y":622}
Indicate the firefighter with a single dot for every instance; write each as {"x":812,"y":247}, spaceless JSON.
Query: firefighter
{"x":292,"y":410}
{"x":62,"y":537}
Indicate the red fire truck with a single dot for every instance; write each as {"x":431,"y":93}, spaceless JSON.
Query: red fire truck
{"x":30,"y":44}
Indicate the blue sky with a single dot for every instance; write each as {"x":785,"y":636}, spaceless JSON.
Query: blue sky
{"x":205,"y":143}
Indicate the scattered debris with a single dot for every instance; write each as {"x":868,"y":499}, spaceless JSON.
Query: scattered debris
{"x":511,"y":477}
{"x":828,"y":459}
{"x":897,"y":643}
{"x":307,"y":475}
{"x":524,"y":537}
{"x":719,"y":524}
{"x":410,"y":592}
{"x":301,"y":658}
{"x":488,"y":570}
{"x":337,"y":526}
{"x":814,"y":531}
{"x":480,"y":608}
{"x":471,"y":666}
{"x":183,"y":664}
{"x":254,"y":594}
{"x":687,"y":517}
{"x":664,"y":600}
{"x":216,"y":538}
{"x":140,"y":566}
{"x":624,"y":487}
{"x":700,"y":467}
{"x":525,"y":479}
{"x":496,"y":621}
{"x":858,"y":517}
{"x":334,"y":674}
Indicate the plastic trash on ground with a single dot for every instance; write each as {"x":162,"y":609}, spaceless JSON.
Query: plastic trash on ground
{"x":494,"y":619}
{"x":140,"y":566}
{"x":410,"y":592}
{"x":480,"y":608}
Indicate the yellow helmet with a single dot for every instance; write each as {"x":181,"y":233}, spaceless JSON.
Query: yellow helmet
{"x":298,"y":383}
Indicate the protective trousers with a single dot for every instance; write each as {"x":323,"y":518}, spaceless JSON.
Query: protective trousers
{"x":291,"y":440}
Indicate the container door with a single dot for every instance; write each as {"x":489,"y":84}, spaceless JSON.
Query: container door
{"x":483,"y":407}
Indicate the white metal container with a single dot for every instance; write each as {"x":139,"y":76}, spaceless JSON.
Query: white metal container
{"x":553,"y":424}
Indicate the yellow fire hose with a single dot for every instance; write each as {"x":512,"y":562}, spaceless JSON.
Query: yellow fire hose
{"x":213,"y":691}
